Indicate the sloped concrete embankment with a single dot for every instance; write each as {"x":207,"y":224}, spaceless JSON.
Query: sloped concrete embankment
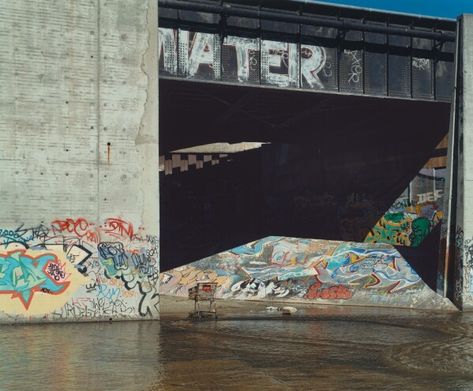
{"x":309,"y":271}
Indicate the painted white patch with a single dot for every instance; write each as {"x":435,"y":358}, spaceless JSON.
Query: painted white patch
{"x":421,"y":64}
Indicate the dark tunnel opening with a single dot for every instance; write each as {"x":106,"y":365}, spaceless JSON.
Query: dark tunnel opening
{"x":332,"y":168}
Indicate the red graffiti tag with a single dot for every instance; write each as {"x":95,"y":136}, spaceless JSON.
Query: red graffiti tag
{"x":80,"y":227}
{"x":118,"y":228}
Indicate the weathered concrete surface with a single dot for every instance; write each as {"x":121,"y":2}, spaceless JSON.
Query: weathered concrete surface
{"x":280,"y":269}
{"x":78,"y":159}
{"x":458,"y":227}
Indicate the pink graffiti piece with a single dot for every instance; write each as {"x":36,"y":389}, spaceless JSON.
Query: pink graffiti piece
{"x":118,"y":228}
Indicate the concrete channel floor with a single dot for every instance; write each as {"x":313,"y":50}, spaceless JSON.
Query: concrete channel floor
{"x":247,"y":348}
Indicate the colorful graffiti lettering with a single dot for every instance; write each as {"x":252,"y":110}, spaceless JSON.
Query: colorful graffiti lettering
{"x":299,"y":269}
{"x":414,"y":215}
{"x":369,"y":267}
{"x":403,"y":228}
{"x":22,"y":275}
{"x":316,"y":291}
{"x":136,"y":269}
{"x":56,"y":269}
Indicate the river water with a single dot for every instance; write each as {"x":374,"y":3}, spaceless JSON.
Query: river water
{"x":317,"y":349}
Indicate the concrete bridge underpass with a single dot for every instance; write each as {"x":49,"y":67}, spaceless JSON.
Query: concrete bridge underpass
{"x":350,"y":112}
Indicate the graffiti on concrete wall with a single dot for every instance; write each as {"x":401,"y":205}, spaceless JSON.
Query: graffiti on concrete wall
{"x":75,"y":268}
{"x":413,"y":215}
{"x":463,"y":267}
{"x":468,"y":265}
{"x":299,"y":269}
{"x":23,"y":274}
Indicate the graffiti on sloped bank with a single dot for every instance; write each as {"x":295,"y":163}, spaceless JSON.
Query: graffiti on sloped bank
{"x":404,"y":229}
{"x":412,"y":216}
{"x":369,"y":267}
{"x":47,"y":266}
{"x":277,"y":267}
{"x":334,"y":292}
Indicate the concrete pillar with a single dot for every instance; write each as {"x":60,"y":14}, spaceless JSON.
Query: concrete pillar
{"x":457,"y":232}
{"x":79,"y":220}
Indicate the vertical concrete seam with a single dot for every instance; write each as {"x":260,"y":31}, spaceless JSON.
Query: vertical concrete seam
{"x":98,"y":106}
{"x":142,"y":138}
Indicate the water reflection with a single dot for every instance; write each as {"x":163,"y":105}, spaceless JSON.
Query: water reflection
{"x":359,"y":350}
{"x":96,"y":356}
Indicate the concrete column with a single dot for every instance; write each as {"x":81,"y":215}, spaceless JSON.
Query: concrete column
{"x":79,"y":222}
{"x":457,"y":261}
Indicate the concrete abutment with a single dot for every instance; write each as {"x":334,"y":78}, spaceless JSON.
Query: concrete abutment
{"x":458,"y":228}
{"x":79,"y":222}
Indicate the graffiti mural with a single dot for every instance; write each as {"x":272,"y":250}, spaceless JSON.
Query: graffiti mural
{"x":23,"y":274}
{"x":35,"y":280}
{"x":73,"y":267}
{"x":302,"y":269}
{"x":413,"y":215}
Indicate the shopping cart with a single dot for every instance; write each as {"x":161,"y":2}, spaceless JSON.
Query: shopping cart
{"x":203,"y":291}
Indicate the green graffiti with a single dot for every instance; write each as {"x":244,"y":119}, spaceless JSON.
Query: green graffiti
{"x":420,"y":229}
{"x":394,"y":217}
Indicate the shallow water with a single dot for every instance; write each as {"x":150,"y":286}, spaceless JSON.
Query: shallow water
{"x":351,"y":349}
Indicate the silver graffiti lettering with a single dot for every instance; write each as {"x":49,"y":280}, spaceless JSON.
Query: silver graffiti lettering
{"x":167,"y":49}
{"x":243,"y":46}
{"x":280,"y":63}
{"x":312,"y":62}
{"x":356,"y":66}
{"x":203,"y":50}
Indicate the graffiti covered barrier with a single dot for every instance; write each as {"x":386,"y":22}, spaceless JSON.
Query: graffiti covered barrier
{"x":414,"y":214}
{"x":306,"y":270}
{"x":73,"y":269}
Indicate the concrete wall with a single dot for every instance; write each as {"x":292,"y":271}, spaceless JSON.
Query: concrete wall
{"x":78,"y":160}
{"x":458,"y":230}
{"x":464,"y":232}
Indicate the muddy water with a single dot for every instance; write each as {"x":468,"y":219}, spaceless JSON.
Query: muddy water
{"x":355,"y":349}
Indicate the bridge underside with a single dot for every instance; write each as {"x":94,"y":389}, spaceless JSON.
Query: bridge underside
{"x":334,"y":165}
{"x":195,"y":113}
